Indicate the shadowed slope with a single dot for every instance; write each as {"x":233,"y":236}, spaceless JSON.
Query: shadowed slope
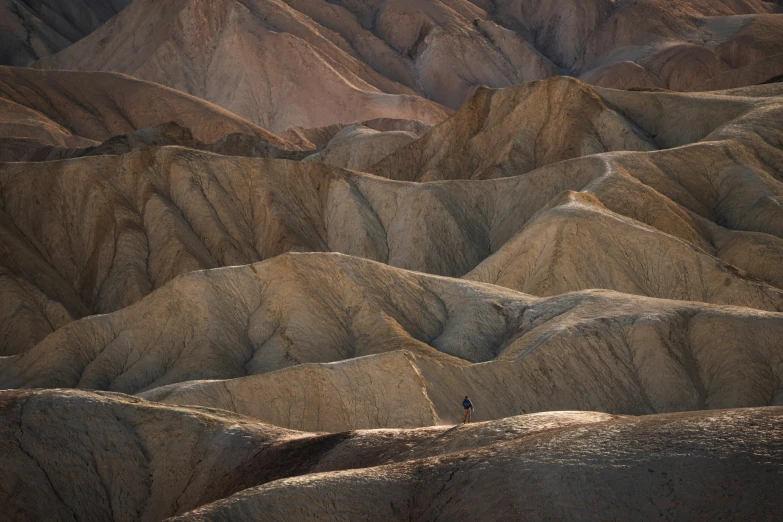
{"x":99,"y":106}
{"x":121,"y":458}
{"x":125,"y":459}
{"x":33,"y":29}
{"x":685,"y":465}
{"x":31,"y":129}
{"x":356,"y":54}
{"x":649,"y":43}
{"x":682,"y":44}
{"x":164,"y":135}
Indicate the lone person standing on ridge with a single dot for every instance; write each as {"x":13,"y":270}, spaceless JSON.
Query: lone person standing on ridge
{"x":468,"y":409}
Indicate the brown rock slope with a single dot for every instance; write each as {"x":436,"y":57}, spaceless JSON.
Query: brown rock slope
{"x":512,"y":131}
{"x":366,"y":57}
{"x":712,"y":235}
{"x":163,"y":135}
{"x":68,"y":108}
{"x":599,"y":469}
{"x":122,"y":458}
{"x":594,"y":350}
{"x":318,"y":137}
{"x":309,"y":76}
{"x":23,"y":129}
{"x":32,"y":29}
{"x":507,"y":132}
{"x":358,"y":147}
{"x":677,"y":45}
{"x":682,"y":44}
{"x":580,"y":244}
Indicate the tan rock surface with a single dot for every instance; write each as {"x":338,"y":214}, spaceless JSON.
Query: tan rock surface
{"x":318,"y":137}
{"x":357,"y":147}
{"x":602,"y":469}
{"x":511,"y":131}
{"x":594,"y":350}
{"x":148,"y":216}
{"x":122,"y":458}
{"x":565,"y":253}
{"x":579,"y":244}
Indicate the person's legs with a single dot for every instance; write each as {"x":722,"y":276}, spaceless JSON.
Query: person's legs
{"x":468,"y":413}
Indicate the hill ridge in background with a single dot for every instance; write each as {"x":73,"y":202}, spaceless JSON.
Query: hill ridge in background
{"x":206,"y":38}
{"x":370,"y":58}
{"x":169,"y":134}
{"x":98,"y":106}
{"x":563,"y":118}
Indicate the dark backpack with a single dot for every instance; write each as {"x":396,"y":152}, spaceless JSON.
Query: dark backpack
{"x":466,"y":404}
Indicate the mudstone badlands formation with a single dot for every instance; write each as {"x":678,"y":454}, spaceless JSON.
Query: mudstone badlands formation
{"x":254,"y":253}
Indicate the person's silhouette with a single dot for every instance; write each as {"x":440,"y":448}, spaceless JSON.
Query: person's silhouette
{"x":468,"y":409}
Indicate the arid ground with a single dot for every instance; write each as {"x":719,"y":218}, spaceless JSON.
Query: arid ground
{"x":255,"y":253}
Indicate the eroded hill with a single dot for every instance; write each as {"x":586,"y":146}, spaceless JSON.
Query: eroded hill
{"x":254,"y":253}
{"x":592,"y":350}
{"x":122,"y":458}
{"x":629,"y":222}
{"x":507,"y":132}
{"x":79,"y":109}
{"x":386,"y":59}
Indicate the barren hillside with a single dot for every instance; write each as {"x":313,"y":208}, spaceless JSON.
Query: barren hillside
{"x":169,"y":134}
{"x":254,"y":254}
{"x":304,"y":67}
{"x":33,"y":29}
{"x":630,"y":222}
{"x":503,"y":132}
{"x":121,"y":458}
{"x":589,"y":350}
{"x":369,"y":58}
{"x":100,"y":106}
{"x":151,"y":215}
